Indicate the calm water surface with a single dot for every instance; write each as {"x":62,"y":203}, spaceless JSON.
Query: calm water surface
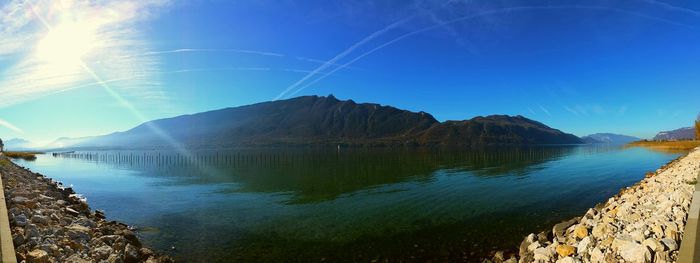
{"x":348,"y":204}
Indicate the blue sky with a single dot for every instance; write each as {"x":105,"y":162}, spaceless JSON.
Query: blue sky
{"x":80,"y":69}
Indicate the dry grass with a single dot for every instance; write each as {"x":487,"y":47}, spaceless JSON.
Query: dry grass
{"x":29,"y":156}
{"x":667,"y":146}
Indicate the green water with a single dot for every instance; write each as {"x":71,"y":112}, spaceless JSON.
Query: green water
{"x":304,"y":205}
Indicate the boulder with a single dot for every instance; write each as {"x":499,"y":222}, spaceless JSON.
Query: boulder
{"x":21,"y":220}
{"x":37,"y":256}
{"x":653,"y":244}
{"x":565,"y":250}
{"x":72,"y":212}
{"x":581,"y":231}
{"x":525,"y":244}
{"x":20,"y":200}
{"x":597,"y":256}
{"x":582,"y":247}
{"x":670,"y":244}
{"x":102,"y":252}
{"x":131,"y":254}
{"x":566,"y":260}
{"x":600,"y":231}
{"x":559,"y":229}
{"x":543,"y":254}
{"x":635,"y":253}
{"x":40,"y":220}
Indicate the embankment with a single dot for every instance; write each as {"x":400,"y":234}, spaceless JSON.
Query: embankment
{"x":642,"y":223}
{"x":49,"y":223}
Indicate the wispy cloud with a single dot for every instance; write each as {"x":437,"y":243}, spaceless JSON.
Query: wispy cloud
{"x":545,"y":110}
{"x":8,"y":125}
{"x":595,"y":109}
{"x":48,"y":44}
{"x":622,"y":110}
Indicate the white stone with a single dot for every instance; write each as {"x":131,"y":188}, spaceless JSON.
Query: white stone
{"x":633,"y":252}
{"x":582,"y":247}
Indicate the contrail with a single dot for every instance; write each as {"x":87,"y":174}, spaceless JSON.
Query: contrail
{"x":10,"y":126}
{"x":232,"y":50}
{"x":486,"y":13}
{"x":184,"y":50}
{"x":264,"y":53}
{"x":673,"y":7}
{"x":343,"y":54}
{"x":321,"y":62}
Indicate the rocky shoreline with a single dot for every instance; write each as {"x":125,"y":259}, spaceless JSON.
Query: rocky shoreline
{"x":642,"y":223}
{"x":50,"y":223}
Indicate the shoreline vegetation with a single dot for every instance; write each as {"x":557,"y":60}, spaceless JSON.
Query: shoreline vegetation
{"x":51,"y":223}
{"x":667,"y":146}
{"x":642,"y":223}
{"x":28,"y":156}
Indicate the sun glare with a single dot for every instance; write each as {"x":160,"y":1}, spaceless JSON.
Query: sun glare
{"x":66,"y":43}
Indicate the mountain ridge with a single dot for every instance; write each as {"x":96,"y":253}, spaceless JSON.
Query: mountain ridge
{"x":318,"y":120}
{"x":685,"y":133}
{"x":609,"y":138}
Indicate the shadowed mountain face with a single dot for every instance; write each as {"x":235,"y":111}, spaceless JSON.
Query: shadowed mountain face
{"x":687,"y":133}
{"x":495,"y":129}
{"x":327,"y":120}
{"x":609,"y":138}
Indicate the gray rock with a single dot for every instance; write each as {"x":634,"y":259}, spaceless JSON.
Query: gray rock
{"x":20,"y":200}
{"x":559,"y":230}
{"x":102,"y":252}
{"x":21,"y":220}
{"x":40,"y":220}
{"x":670,"y":244}
{"x":72,"y":212}
{"x":31,"y":231}
{"x":131,"y":254}
{"x":17,"y":239}
{"x":77,"y":234}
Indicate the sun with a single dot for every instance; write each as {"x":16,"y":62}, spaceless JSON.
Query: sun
{"x":66,"y":43}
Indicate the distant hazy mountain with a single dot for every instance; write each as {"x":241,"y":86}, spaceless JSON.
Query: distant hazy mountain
{"x":18,"y":144}
{"x":687,"y":133}
{"x":64,"y":142}
{"x":327,"y":120}
{"x":609,"y":138}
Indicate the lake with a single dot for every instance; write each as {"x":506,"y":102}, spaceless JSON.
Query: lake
{"x":303,"y":205}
